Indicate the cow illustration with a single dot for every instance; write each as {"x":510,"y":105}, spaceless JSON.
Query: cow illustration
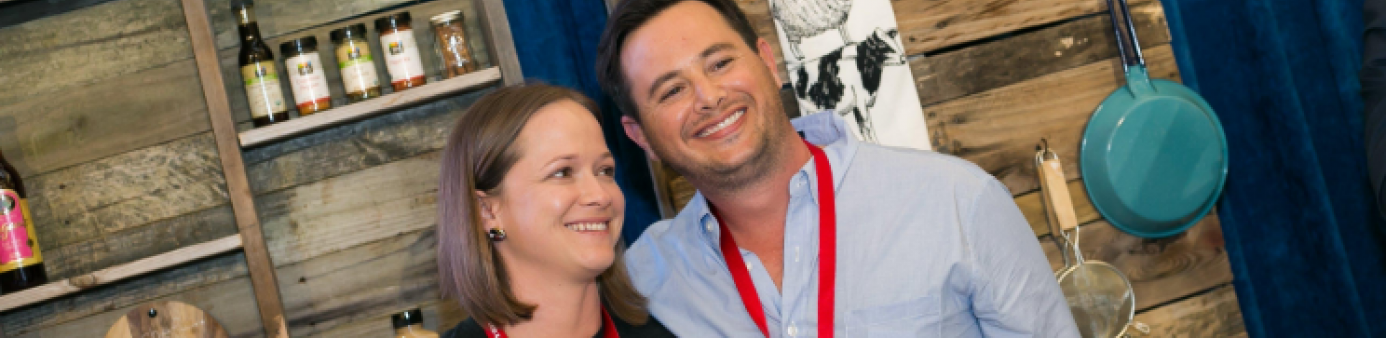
{"x":847,"y":79}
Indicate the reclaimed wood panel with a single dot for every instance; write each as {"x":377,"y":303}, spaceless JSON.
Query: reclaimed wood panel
{"x":118,"y":273}
{"x":1160,"y":270}
{"x":127,"y":190}
{"x":72,"y":126}
{"x":998,"y":129}
{"x":139,"y":242}
{"x":927,"y":26}
{"x":100,"y":42}
{"x":355,"y":146}
{"x":439,"y":316}
{"x":67,"y":312}
{"x":1212,"y":314}
{"x":1029,"y":55}
{"x":262,"y":276}
{"x":349,"y":210}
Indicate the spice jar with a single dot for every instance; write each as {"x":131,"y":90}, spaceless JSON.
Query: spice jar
{"x":452,"y":44}
{"x":354,"y":60}
{"x":401,"y":51}
{"x":306,"y":77}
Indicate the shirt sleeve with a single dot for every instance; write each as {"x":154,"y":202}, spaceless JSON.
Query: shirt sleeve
{"x":1373,"y":77}
{"x":1015,"y":293}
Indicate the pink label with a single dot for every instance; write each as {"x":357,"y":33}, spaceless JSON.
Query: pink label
{"x":15,"y":244}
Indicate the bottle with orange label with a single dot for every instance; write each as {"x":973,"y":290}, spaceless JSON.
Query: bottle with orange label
{"x":21,"y":263}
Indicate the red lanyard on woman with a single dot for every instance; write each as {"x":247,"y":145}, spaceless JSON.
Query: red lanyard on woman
{"x":827,"y":251}
{"x":607,"y":325}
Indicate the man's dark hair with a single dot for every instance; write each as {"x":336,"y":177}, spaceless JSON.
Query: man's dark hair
{"x":631,"y":15}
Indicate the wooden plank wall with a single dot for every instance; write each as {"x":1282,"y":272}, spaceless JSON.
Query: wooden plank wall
{"x":115,"y":144}
{"x":996,"y":77}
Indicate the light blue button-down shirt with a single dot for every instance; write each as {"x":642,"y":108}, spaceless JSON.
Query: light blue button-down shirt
{"x":929,"y":245}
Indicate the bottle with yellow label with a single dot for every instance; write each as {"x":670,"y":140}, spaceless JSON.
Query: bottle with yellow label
{"x":267,"y":104}
{"x":409,"y":324}
{"x":21,"y":263}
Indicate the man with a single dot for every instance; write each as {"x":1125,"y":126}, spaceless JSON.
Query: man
{"x":925,"y":244}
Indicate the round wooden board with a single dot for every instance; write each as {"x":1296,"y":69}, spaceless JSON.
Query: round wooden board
{"x":169,"y":319}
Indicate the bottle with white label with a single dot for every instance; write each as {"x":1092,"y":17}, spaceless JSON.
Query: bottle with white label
{"x":401,"y":51}
{"x":357,"y":66}
{"x":306,"y":77}
{"x":266,"y":98}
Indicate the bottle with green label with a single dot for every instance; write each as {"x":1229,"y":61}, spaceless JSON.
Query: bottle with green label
{"x":356,"y":64}
{"x":267,"y":105}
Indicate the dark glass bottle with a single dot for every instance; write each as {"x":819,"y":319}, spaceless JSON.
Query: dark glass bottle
{"x":21,"y":263}
{"x":267,"y":104}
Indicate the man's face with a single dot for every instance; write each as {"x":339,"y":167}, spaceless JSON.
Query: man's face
{"x":709,"y":104}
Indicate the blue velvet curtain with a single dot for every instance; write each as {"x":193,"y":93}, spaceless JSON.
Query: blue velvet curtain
{"x":557,"y":44}
{"x":1305,"y":241}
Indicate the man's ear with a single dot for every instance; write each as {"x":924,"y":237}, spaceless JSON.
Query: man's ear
{"x":767,"y":55}
{"x":637,"y":135}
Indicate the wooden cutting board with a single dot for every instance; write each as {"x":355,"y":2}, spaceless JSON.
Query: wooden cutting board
{"x":166,"y":319}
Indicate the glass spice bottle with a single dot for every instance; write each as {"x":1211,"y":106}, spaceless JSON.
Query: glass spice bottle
{"x":452,"y":44}
{"x":409,"y":324}
{"x":306,"y":77}
{"x":262,"y":89}
{"x":401,"y":51}
{"x":357,"y":66}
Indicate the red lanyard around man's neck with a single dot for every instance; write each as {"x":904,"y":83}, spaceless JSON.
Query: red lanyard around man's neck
{"x":827,"y":254}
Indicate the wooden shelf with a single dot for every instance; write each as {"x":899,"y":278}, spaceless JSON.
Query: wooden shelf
{"x":356,"y":111}
{"x":120,"y":272}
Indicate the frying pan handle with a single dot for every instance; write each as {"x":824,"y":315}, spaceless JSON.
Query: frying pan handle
{"x":1056,"y":193}
{"x":1122,"y":32}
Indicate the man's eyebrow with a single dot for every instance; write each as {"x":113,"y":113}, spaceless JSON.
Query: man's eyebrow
{"x":674,"y":73}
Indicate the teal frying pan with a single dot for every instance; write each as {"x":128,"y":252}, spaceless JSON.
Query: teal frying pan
{"x":1154,"y":157}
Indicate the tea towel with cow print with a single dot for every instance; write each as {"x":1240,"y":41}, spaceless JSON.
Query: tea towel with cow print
{"x":846,"y":56}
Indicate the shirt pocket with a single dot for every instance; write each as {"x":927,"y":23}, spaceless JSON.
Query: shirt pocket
{"x":916,"y":317}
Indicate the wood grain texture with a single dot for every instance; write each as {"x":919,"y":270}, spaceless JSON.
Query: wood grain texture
{"x":233,"y":167}
{"x":998,"y":129}
{"x":166,"y":319}
{"x":349,"y":210}
{"x":117,"y":273}
{"x":930,"y":25}
{"x":1212,"y":314}
{"x":127,"y":190}
{"x":1160,"y":270}
{"x":82,"y":123}
{"x":356,"y":146}
{"x":1029,"y":55}
{"x":104,"y":41}
{"x":439,"y":316}
{"x":139,"y":242}
{"x":67,"y":314}
{"x":500,"y":41}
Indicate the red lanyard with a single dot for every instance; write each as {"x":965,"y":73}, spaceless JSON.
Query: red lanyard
{"x":827,"y":251}
{"x":609,"y":326}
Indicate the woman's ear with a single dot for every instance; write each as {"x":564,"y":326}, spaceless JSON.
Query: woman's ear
{"x":489,"y":207}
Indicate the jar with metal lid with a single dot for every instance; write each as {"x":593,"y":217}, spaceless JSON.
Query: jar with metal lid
{"x":354,"y":60}
{"x":304,"y":66}
{"x":452,"y":44}
{"x":401,"y":51}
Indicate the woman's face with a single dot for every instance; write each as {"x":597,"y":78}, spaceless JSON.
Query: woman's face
{"x":559,"y":204}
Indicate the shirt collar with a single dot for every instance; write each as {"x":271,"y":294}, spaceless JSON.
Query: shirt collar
{"x":825,"y":129}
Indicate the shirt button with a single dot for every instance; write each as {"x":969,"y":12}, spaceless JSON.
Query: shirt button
{"x":750,"y":266}
{"x":792,"y":331}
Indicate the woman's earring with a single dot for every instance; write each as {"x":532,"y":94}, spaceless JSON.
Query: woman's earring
{"x":496,"y":234}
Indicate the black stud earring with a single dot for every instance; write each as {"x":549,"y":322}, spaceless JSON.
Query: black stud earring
{"x":496,"y":234}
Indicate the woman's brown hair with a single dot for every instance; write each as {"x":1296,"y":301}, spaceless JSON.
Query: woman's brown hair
{"x":477,"y":156}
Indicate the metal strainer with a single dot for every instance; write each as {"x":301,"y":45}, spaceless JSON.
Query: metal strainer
{"x":1098,"y":294}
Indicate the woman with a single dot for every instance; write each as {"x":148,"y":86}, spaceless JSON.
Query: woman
{"x":530,"y":221}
